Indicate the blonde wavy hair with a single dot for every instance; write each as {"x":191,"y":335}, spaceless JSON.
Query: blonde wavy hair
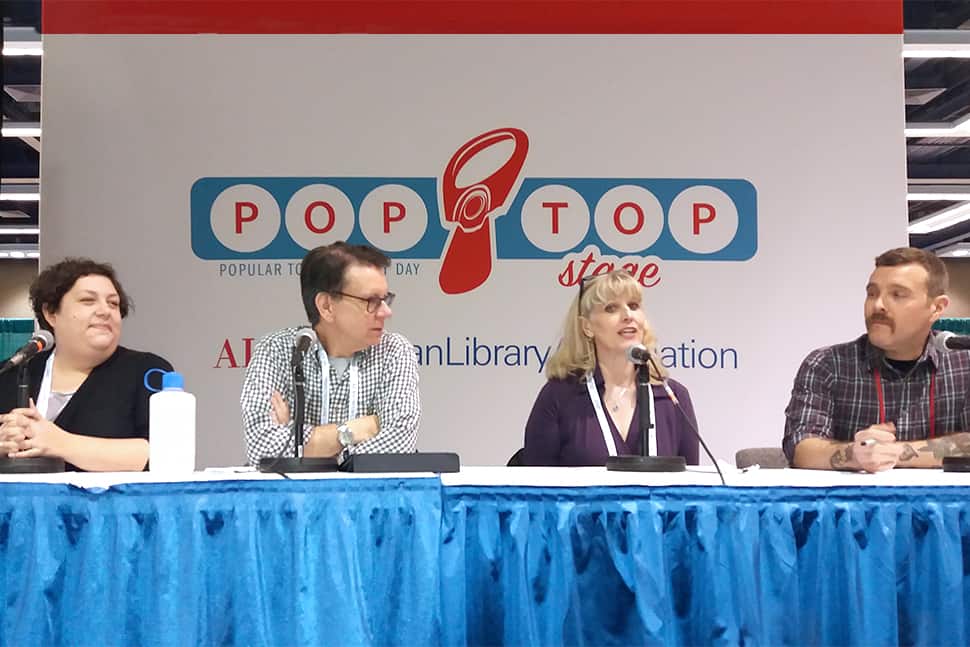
{"x":576,"y":353}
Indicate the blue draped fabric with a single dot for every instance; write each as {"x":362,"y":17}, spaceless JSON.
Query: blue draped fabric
{"x":959,"y":325}
{"x":409,"y":562}
{"x":14,"y":333}
{"x":706,"y":566}
{"x":346,"y":562}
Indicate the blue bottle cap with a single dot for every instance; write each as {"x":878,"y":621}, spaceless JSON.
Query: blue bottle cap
{"x":172,"y":381}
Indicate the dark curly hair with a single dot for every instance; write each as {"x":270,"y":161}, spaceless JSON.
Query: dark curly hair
{"x":55,"y":281}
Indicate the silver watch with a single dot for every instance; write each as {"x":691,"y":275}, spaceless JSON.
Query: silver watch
{"x":344,"y":435}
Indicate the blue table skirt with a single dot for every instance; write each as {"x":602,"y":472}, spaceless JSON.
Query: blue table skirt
{"x":409,"y":562}
{"x":221,"y":563}
{"x":707,"y":566}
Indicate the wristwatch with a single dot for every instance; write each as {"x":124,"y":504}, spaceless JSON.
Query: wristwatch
{"x":344,"y":435}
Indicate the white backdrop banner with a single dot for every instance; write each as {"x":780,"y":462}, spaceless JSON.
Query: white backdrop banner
{"x":747,"y":180}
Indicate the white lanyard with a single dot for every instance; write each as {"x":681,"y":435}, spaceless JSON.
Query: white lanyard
{"x":44,"y":395}
{"x":594,"y":397}
{"x":352,"y":397}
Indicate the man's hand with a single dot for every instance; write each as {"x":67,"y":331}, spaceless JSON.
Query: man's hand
{"x":875,"y":448}
{"x":279,"y":410}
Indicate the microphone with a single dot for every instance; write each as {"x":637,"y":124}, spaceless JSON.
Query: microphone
{"x":304,"y":338}
{"x":40,"y":341}
{"x":690,"y":423}
{"x":947,"y":340}
{"x":638,"y":354}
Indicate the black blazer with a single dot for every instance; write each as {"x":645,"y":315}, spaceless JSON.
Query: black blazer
{"x":111,"y":403}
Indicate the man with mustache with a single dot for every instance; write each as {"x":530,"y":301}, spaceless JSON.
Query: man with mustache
{"x":893,"y":397}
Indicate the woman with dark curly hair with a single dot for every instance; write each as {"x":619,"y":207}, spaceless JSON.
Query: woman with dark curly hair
{"x":89,"y":405}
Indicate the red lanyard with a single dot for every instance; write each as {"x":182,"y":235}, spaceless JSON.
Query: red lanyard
{"x":882,"y":401}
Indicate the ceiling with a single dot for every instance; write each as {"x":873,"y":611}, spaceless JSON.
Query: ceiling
{"x":937,"y":98}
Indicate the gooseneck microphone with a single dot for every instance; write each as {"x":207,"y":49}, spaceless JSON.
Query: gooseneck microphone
{"x":40,"y":341}
{"x":642,"y":357}
{"x":947,"y":340}
{"x":304,"y":339}
{"x":690,"y":423}
{"x":644,"y":462}
{"x":638,"y":354}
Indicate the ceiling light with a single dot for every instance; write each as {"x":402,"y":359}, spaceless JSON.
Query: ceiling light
{"x":955,"y":250}
{"x":955,"y":192}
{"x":936,"y":43}
{"x":25,"y":129}
{"x":955,"y":197}
{"x":23,"y":49}
{"x":941,"y":219}
{"x":936,"y":51}
{"x":20,"y":252}
{"x":19,"y":231}
{"x":958,"y":128}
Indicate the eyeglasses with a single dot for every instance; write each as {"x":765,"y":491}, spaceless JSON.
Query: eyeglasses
{"x":583,"y":282}
{"x":373,"y":303}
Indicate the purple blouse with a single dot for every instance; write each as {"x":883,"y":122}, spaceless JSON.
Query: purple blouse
{"x":563,"y":430}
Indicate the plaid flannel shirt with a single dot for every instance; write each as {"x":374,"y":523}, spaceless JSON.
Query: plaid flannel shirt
{"x":388,"y":387}
{"x":835,"y":395}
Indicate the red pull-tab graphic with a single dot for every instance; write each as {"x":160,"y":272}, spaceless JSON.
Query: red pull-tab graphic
{"x":467,"y":260}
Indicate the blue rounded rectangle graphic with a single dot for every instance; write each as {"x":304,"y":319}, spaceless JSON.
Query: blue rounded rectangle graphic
{"x":240,"y":218}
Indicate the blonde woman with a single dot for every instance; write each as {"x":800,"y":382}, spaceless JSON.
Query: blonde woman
{"x":591,"y":380}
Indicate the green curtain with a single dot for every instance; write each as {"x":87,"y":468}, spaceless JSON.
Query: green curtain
{"x":13,"y":334}
{"x":959,"y":325}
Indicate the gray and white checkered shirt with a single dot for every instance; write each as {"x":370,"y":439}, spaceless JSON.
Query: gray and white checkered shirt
{"x":388,"y":387}
{"x":835,"y":395}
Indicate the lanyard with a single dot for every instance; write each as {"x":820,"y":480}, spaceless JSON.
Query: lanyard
{"x":354,"y":381}
{"x":877,"y":377}
{"x":594,"y":397}
{"x":44,"y":395}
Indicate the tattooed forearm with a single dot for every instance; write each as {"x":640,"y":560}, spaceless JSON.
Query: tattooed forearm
{"x":842,"y":457}
{"x":952,"y":445}
{"x":908,"y":453}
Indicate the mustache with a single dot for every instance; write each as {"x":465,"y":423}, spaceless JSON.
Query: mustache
{"x":874,"y":319}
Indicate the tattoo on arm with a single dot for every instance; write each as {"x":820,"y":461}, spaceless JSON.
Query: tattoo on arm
{"x":842,"y":457}
{"x":952,"y":445}
{"x":908,"y":453}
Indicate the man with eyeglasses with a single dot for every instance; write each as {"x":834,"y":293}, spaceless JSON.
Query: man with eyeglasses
{"x":361,"y":381}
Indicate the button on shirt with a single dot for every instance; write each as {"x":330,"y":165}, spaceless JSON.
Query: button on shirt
{"x":835,"y":393}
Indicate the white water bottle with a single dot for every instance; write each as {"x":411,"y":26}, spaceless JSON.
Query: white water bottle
{"x":171,"y":426}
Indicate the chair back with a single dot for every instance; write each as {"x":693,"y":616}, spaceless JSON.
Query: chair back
{"x":765,"y":457}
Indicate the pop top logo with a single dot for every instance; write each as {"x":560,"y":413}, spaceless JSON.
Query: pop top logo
{"x":593,"y":224}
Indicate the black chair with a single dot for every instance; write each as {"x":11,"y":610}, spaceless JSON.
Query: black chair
{"x":517,"y":459}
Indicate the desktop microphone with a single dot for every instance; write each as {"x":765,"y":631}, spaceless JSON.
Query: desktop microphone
{"x":947,"y":340}
{"x":304,"y":338}
{"x":40,"y":341}
{"x":638,"y":354}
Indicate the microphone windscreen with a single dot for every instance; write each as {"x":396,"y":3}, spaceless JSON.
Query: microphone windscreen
{"x":45,"y":338}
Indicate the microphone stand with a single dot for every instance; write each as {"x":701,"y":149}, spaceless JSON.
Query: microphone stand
{"x":36,"y":464}
{"x":644,"y":462}
{"x":298,"y":463}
